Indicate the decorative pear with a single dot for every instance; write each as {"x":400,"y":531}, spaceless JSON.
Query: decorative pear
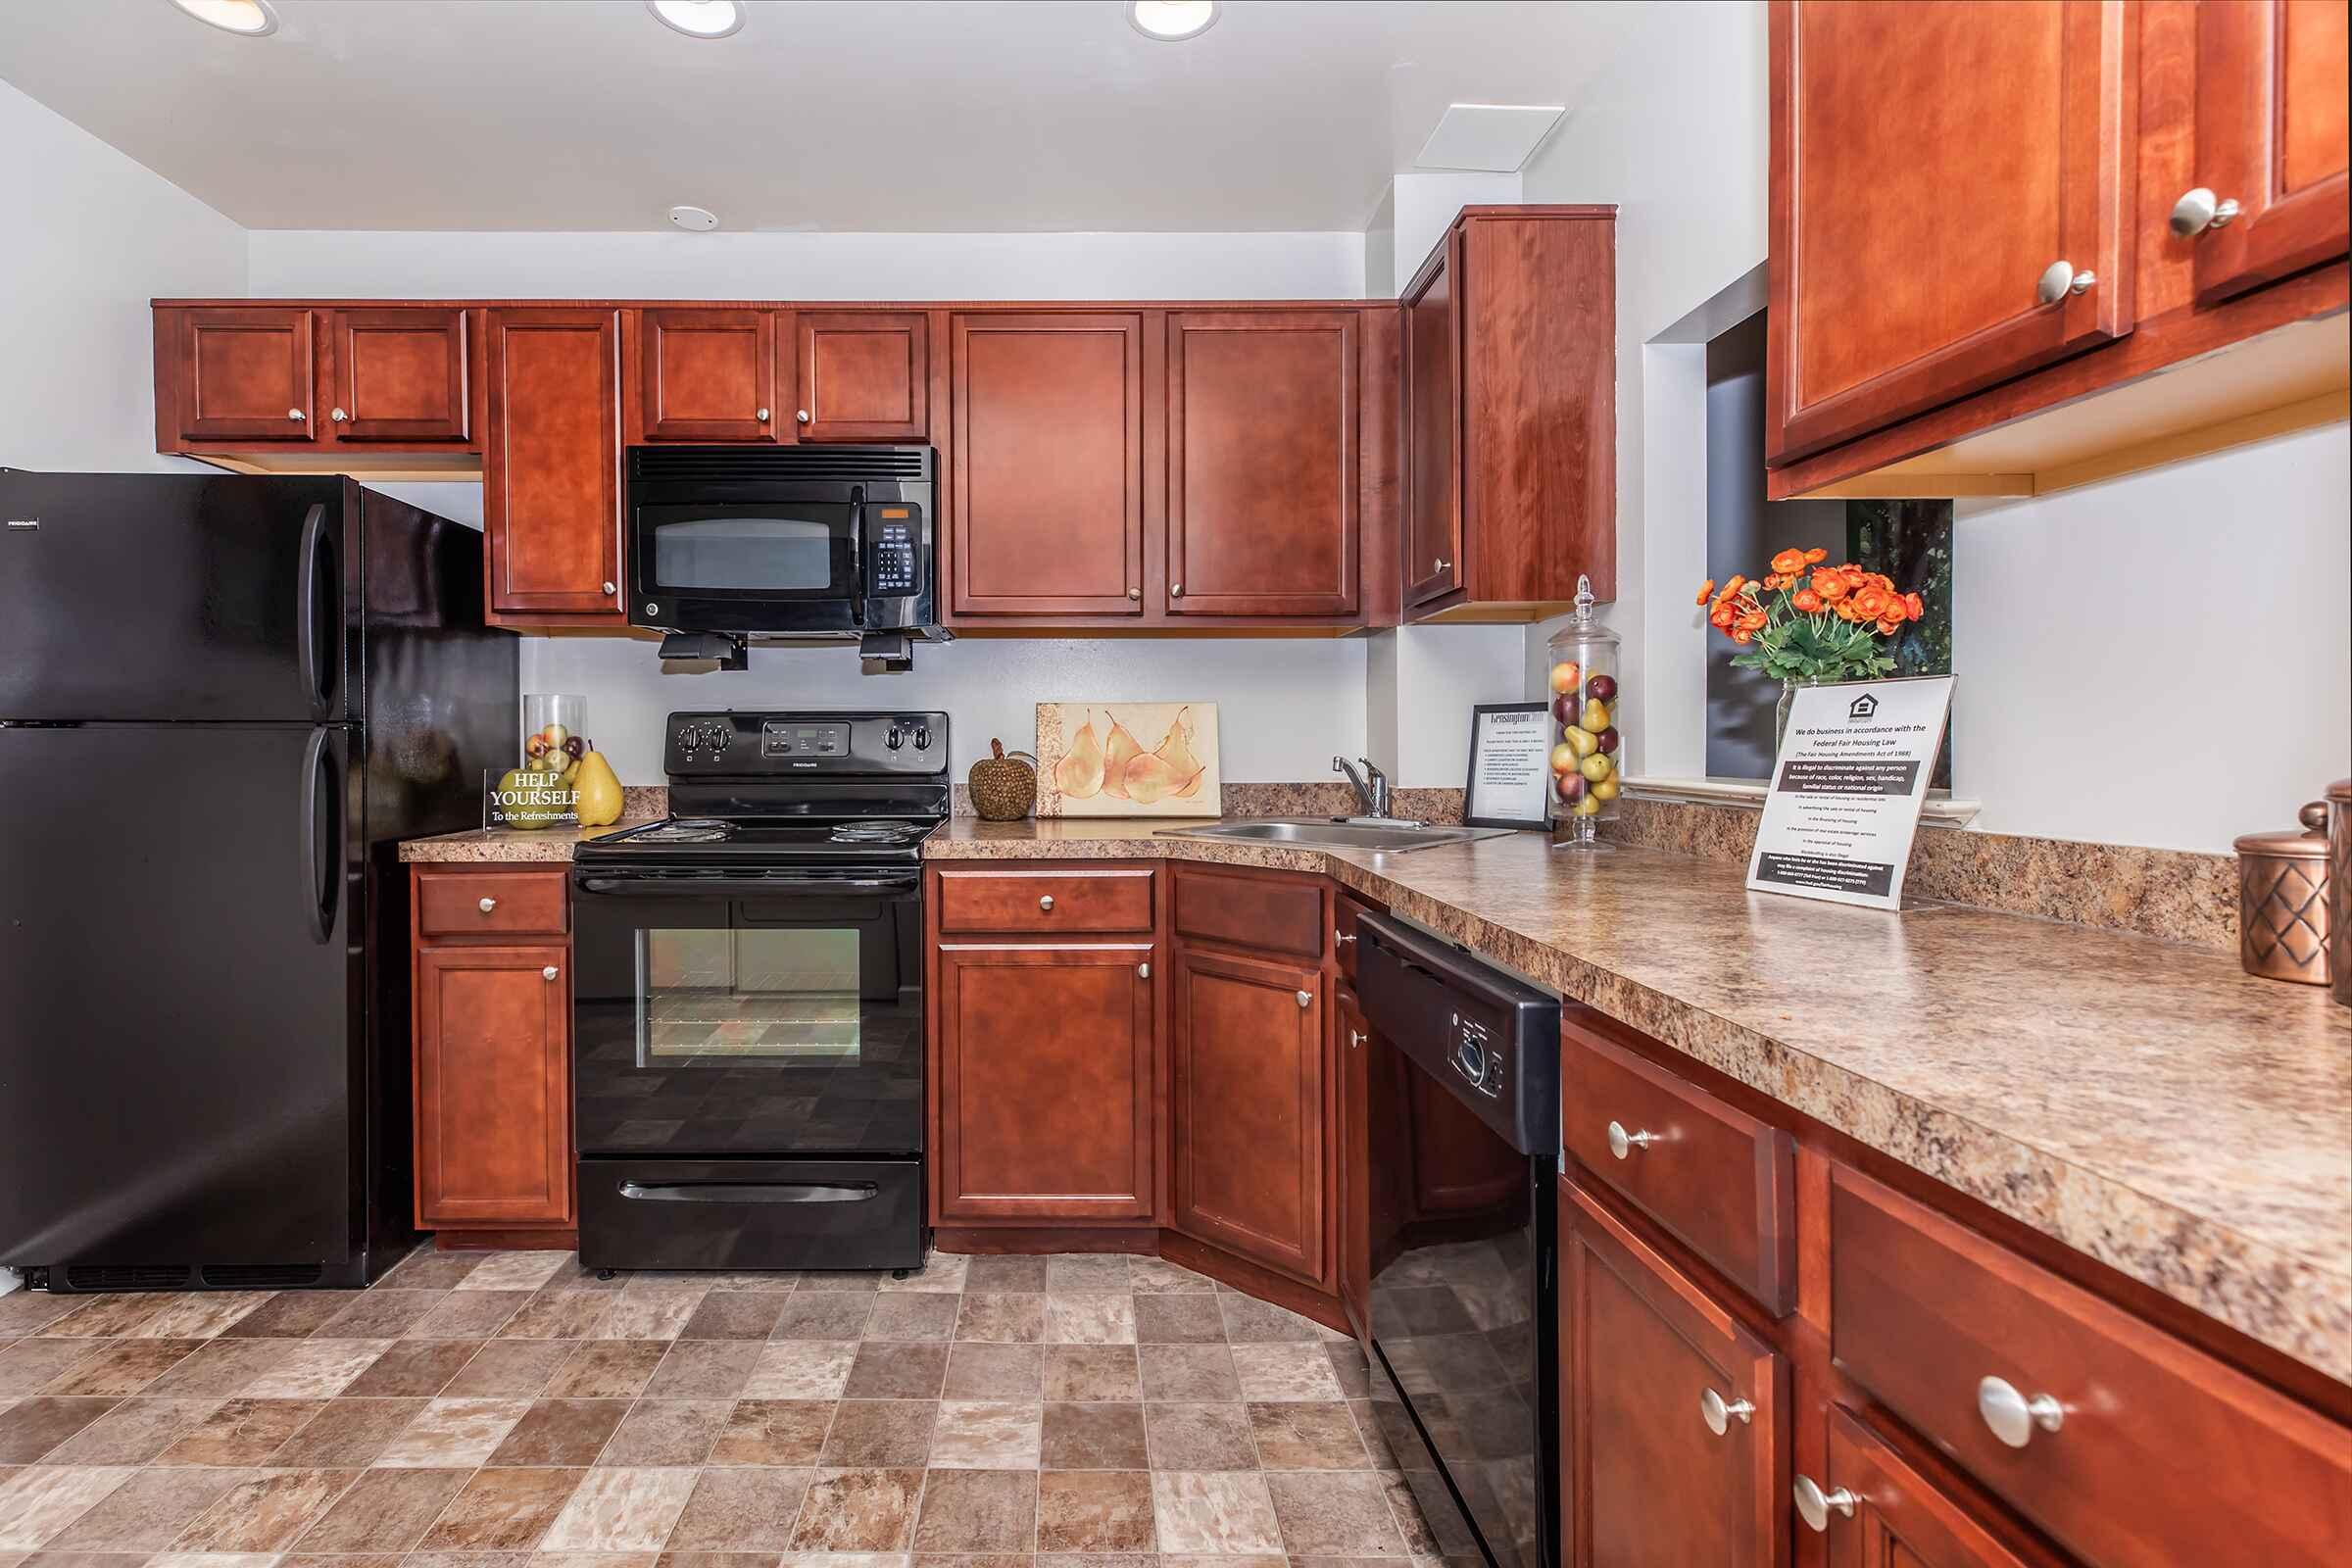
{"x":1079,"y":774}
{"x":1118,"y":753}
{"x":1176,"y":750}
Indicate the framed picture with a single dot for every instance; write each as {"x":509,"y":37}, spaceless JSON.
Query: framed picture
{"x":1510,"y":772}
{"x":1128,"y":760}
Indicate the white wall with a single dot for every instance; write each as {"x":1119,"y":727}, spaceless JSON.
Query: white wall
{"x":2124,"y":712}
{"x":1285,"y":705}
{"x":91,"y":237}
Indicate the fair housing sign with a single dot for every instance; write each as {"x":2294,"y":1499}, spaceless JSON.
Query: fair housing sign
{"x":1847,"y":788}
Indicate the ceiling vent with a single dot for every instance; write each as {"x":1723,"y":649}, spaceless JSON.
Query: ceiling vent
{"x":1494,"y":138}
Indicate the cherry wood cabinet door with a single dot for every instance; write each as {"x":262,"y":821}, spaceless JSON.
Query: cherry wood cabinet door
{"x":551,"y":488}
{"x":1263,"y":463}
{"x":861,"y":375}
{"x":1048,"y":473}
{"x":1352,"y":1051}
{"x":400,"y":375}
{"x":1433,"y":426}
{"x":1250,"y":1125}
{"x":2272,"y":136}
{"x":246,"y":372}
{"x":708,"y":375}
{"x":493,"y":1085}
{"x":1933,"y":165}
{"x":1650,"y":1365}
{"x":1880,"y":1512}
{"x":1047,"y":1083}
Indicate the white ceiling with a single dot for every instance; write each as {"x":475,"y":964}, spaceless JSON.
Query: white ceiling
{"x":887,"y":114}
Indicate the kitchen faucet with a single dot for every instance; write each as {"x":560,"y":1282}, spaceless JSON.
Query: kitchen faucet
{"x":1371,"y":788}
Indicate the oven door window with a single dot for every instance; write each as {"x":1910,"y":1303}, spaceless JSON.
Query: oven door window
{"x":727,"y":995}
{"x":797,"y":547}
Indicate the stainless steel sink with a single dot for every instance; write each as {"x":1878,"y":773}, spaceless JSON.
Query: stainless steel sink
{"x":1327,"y":833}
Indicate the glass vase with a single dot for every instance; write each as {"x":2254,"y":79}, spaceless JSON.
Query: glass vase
{"x":1587,"y":754}
{"x":555,"y":730}
{"x":1779,"y":715}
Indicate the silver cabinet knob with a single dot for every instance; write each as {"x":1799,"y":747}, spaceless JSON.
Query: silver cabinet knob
{"x":2013,"y":1416}
{"x":763,"y":416}
{"x":1046,"y":902}
{"x":1814,"y":1505}
{"x":295,"y":414}
{"x":2198,"y":211}
{"x":1343,"y":936}
{"x":611,"y":587}
{"x":337,"y":414}
{"x":1175,"y":590}
{"x":1307,"y":999}
{"x":802,"y":416}
{"x":487,"y":904}
{"x":1719,"y":1413}
{"x":1355,"y":1039}
{"x":2060,"y":279}
{"x":548,"y":973}
{"x":1143,"y":972}
{"x":1439,"y":565}
{"x":1622,"y":1144}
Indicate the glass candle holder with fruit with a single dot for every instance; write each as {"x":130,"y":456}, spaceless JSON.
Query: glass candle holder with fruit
{"x":1587,"y":754}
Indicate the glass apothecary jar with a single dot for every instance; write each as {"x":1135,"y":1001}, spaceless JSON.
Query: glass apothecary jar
{"x":555,"y":730}
{"x":1588,"y":744}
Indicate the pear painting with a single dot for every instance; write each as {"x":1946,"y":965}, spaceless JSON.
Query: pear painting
{"x":1095,"y":761}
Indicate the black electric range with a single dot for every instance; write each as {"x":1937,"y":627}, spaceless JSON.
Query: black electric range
{"x":748,"y":1008}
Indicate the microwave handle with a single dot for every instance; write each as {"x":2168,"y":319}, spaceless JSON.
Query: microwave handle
{"x":857,"y":554}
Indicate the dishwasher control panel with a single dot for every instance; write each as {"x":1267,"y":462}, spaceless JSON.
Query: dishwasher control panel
{"x":1477,"y":1057}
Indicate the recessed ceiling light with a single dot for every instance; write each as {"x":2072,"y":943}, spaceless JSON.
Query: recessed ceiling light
{"x":1171,"y":20}
{"x":698,"y":18}
{"x":249,"y":19}
{"x":700,"y":219}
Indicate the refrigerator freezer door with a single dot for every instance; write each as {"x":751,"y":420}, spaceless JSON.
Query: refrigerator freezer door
{"x":180,"y":976}
{"x":170,"y":596}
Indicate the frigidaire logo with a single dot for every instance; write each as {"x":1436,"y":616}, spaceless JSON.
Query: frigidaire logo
{"x":25,"y":524}
{"x":1862,"y":706}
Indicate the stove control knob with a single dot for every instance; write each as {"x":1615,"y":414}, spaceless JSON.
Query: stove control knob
{"x":894,"y":739}
{"x":922,"y":737}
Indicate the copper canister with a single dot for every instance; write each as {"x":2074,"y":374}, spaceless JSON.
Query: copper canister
{"x":2284,"y":919}
{"x":2339,"y":888}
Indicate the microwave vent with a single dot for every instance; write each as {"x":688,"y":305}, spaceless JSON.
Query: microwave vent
{"x":722,"y":464}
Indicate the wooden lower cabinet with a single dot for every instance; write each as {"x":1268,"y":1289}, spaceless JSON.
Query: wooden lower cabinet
{"x":1650,"y":1365}
{"x":1047,"y":1083}
{"x":1880,"y":1512}
{"x":1252,"y":1157}
{"x":493,"y":1085}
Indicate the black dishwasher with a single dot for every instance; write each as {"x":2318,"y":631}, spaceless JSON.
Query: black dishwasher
{"x":1464,"y":1118}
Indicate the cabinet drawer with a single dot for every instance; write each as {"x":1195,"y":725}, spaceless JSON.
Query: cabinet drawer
{"x":2149,"y":1453}
{"x":1717,"y":1178}
{"x":472,"y":903}
{"x":1277,"y":911}
{"x":1047,"y":902}
{"x":1346,"y":907}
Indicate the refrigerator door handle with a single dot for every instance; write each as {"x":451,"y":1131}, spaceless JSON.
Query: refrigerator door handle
{"x":320,"y":894}
{"x":317,"y":682}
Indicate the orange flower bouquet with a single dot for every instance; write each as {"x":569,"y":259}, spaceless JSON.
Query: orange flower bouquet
{"x":1806,"y":622}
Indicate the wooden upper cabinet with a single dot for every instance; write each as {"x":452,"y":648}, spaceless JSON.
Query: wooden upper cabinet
{"x":1047,"y":464}
{"x":2271,"y":137}
{"x":493,"y":1069}
{"x":1510,"y":375}
{"x":400,"y":375}
{"x":1433,"y":436}
{"x":247,"y":373}
{"x":861,"y":375}
{"x":1949,"y":185}
{"x":551,"y":491}
{"x":708,"y":375}
{"x":1261,"y":421}
{"x":1250,"y":1165}
{"x":1047,"y":1082}
{"x":1650,"y":1365}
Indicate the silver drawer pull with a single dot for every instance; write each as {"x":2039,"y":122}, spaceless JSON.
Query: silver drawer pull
{"x":1719,"y":1413}
{"x":1046,"y":902}
{"x":1143,"y":972}
{"x":1307,"y":999}
{"x":487,"y":904}
{"x":2013,"y":1416}
{"x":548,"y":973}
{"x":1622,"y":1144}
{"x":1814,"y":1505}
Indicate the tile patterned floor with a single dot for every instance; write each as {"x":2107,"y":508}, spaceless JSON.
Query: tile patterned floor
{"x":506,"y":1409}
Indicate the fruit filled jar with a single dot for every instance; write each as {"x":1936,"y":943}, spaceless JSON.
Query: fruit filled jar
{"x":1587,"y":750}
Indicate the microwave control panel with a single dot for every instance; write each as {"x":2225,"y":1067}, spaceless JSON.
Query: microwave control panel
{"x":891,"y":539}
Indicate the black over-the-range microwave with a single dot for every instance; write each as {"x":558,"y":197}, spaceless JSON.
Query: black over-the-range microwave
{"x":793,"y":541}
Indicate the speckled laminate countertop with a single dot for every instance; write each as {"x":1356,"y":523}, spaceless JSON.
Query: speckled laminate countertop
{"x":2145,"y":1103}
{"x":492,"y":845}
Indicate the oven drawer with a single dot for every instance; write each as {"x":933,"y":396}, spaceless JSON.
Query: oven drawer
{"x":2159,"y":1454}
{"x":1720,"y":1179}
{"x":1045,"y":902}
{"x":473,"y":903}
{"x":751,"y":1214}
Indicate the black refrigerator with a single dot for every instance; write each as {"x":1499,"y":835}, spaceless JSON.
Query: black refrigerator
{"x":224,"y":701}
